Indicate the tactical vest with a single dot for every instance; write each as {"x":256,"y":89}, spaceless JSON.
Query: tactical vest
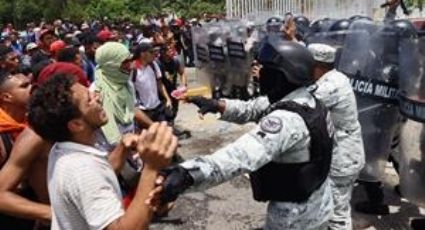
{"x":295,"y":182}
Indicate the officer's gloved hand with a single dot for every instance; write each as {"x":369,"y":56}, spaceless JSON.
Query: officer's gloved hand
{"x":205,"y":105}
{"x":177,"y":180}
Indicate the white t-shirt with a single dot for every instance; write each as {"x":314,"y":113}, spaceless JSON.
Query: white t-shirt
{"x":146,"y":87}
{"x":83,"y":188}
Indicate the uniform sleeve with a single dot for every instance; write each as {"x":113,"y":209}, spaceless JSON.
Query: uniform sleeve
{"x":268,"y":141}
{"x":327,"y":92}
{"x":94,"y":196}
{"x":245,"y":111}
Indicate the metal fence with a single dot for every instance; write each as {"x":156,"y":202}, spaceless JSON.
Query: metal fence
{"x":313,"y":9}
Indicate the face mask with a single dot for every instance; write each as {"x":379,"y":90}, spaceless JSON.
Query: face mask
{"x":267,"y":80}
{"x":274,"y":84}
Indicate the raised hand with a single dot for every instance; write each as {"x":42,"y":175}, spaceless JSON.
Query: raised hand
{"x":130,"y":141}
{"x":157,"y":145}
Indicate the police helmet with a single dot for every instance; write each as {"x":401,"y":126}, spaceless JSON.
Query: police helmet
{"x":302,"y":21}
{"x":303,"y":25}
{"x":290,"y":58}
{"x":321,"y":25}
{"x":274,"y":20}
{"x":274,"y":24}
{"x":342,"y":24}
{"x":404,"y":28}
{"x":359,"y":17}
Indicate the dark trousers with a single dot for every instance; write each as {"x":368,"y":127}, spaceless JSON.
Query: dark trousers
{"x":188,"y":54}
{"x":157,"y":114}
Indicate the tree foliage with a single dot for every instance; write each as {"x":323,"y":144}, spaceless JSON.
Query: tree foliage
{"x":415,"y":4}
{"x":23,"y":11}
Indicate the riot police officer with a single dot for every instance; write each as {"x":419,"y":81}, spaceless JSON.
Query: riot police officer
{"x":334,"y":89}
{"x":288,"y":154}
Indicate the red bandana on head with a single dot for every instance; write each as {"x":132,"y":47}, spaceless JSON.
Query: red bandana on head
{"x":65,"y":68}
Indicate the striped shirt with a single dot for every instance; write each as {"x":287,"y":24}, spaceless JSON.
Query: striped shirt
{"x":83,"y":188}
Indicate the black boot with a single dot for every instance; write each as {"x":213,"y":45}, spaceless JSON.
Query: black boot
{"x":367,"y":207}
{"x":375,"y":204}
{"x":417,"y":224}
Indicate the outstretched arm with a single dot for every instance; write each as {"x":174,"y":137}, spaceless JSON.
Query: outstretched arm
{"x":236,"y":111}
{"x":265,"y":143}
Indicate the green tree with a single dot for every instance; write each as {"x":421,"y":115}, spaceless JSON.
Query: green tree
{"x":23,"y":11}
{"x":195,"y":8}
{"x":415,"y":4}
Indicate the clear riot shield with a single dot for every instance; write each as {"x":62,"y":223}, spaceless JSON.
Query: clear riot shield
{"x":335,"y":39}
{"x":200,"y":50}
{"x":412,"y":105}
{"x":239,"y":60}
{"x":370,"y":58}
{"x":319,"y":26}
{"x":256,"y":35}
{"x":218,"y":66}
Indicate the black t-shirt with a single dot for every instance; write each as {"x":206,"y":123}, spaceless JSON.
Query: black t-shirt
{"x":171,"y":70}
{"x":38,"y":57}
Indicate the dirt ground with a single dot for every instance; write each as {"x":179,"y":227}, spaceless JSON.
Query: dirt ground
{"x":230,"y":205}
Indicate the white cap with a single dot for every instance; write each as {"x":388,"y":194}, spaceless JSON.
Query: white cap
{"x":77,"y":32}
{"x":142,"y":40}
{"x":31,"y":46}
{"x":322,"y":52}
{"x":85,"y":26}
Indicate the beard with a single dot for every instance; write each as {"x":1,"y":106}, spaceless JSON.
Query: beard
{"x":96,"y":122}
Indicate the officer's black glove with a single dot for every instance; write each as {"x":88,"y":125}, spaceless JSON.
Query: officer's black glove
{"x":205,"y":105}
{"x":177,"y":180}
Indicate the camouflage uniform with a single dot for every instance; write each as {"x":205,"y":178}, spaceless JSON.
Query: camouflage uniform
{"x":281,"y":136}
{"x":334,"y":89}
{"x":348,"y":159}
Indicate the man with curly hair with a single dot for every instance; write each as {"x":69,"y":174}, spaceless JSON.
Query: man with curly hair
{"x":83,"y":187}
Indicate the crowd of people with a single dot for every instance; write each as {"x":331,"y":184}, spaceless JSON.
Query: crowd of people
{"x":31,"y":50}
{"x":116,"y":79}
{"x":88,"y":138}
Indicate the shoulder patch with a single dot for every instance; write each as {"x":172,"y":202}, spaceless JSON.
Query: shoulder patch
{"x":271,"y":124}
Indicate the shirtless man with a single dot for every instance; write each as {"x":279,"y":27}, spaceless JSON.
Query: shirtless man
{"x":27,"y":164}
{"x":25,"y":158}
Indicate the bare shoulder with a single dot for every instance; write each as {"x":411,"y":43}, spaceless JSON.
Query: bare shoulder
{"x":29,"y":146}
{"x":26,"y":150}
